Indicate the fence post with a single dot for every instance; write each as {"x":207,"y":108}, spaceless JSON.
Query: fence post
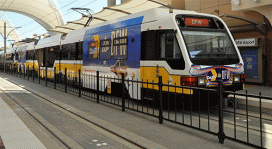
{"x":97,"y":86}
{"x":123,"y":92}
{"x":160,"y":98}
{"x":46,"y":76}
{"x":39,"y":74}
{"x":33,"y":73}
{"x":55,"y":78}
{"x":28,"y":72}
{"x":20,"y":70}
{"x":221,"y":134}
{"x":24,"y":70}
{"x":79,"y":83}
{"x":65,"y":80}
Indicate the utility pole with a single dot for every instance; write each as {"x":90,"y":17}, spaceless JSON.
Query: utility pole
{"x":5,"y":42}
{"x":5,"y":50}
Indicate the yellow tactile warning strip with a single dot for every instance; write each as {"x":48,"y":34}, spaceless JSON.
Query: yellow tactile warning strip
{"x":14,"y":133}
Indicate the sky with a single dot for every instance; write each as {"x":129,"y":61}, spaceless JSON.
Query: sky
{"x":30,"y":27}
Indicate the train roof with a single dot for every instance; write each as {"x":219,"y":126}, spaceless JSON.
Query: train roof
{"x":150,"y":15}
{"x":49,"y":41}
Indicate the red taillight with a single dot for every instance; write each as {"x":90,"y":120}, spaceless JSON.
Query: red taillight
{"x":188,"y":81}
{"x":243,"y":77}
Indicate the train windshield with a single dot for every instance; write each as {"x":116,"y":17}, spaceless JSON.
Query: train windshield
{"x":210,"y":48}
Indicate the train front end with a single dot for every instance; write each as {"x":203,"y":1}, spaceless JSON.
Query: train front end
{"x":212,"y":53}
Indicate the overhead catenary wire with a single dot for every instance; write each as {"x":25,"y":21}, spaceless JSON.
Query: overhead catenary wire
{"x":55,"y":18}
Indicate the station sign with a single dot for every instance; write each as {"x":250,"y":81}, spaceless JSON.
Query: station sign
{"x":249,"y":42}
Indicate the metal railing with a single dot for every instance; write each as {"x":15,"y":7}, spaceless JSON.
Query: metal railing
{"x":204,"y":110}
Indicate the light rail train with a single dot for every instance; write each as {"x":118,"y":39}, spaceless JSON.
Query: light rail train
{"x":186,"y":48}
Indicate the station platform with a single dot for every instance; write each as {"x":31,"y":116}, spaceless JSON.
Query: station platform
{"x":141,"y":128}
{"x":14,"y":133}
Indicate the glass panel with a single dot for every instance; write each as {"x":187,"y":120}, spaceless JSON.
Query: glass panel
{"x":162,"y":45}
{"x":206,"y":46}
{"x":169,"y":47}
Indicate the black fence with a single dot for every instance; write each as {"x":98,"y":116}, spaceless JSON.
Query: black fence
{"x":205,"y":110}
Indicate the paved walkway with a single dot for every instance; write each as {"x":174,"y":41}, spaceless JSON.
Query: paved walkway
{"x":168,"y":134}
{"x":255,"y":89}
{"x":14,"y":133}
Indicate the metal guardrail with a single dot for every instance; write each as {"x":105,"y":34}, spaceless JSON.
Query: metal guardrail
{"x":186,"y":110}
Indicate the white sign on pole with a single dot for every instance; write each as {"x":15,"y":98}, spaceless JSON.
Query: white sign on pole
{"x":246,"y":42}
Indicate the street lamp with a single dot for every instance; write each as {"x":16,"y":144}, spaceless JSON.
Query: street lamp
{"x":5,"y":40}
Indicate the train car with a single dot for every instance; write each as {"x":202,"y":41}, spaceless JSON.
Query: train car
{"x":9,"y":56}
{"x":59,"y":52}
{"x":186,"y":48}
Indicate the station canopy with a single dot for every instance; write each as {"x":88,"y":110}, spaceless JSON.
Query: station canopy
{"x":45,"y":12}
{"x":11,"y":31}
{"x":110,"y":13}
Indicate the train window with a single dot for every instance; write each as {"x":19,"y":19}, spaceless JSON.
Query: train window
{"x":170,"y":51}
{"x":30,"y":55}
{"x":21,"y":54}
{"x":169,"y":46}
{"x":210,"y":48}
{"x":49,"y":57}
{"x":40,"y":57}
{"x":16,"y":56}
{"x":36,"y":55}
{"x":9,"y":56}
{"x":69,"y":52}
{"x":79,"y":50}
{"x":57,"y":52}
{"x":149,"y":45}
{"x":162,"y":45}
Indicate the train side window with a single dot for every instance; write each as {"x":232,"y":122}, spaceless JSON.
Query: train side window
{"x":36,"y":55}
{"x":170,"y":50}
{"x":30,"y":55}
{"x":16,"y":56}
{"x":169,"y":46}
{"x":57,"y":52}
{"x":69,"y":52}
{"x":149,"y":45}
{"x":41,"y":57}
{"x":79,"y":50}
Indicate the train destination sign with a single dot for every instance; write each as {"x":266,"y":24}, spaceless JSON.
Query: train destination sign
{"x":197,"y":22}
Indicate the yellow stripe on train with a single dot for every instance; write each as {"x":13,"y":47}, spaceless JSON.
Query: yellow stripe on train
{"x":151,"y":74}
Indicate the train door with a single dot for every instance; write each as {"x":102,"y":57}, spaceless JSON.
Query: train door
{"x":78,"y":54}
{"x":161,"y":56}
{"x":160,"y":49}
{"x":49,"y":57}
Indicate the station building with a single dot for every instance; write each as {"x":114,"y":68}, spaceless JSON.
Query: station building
{"x":250,"y":24}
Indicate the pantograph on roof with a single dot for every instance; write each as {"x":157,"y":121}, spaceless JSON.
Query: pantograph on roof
{"x":110,"y":13}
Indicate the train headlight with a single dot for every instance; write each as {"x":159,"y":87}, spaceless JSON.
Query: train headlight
{"x":202,"y":81}
{"x":236,"y":79}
